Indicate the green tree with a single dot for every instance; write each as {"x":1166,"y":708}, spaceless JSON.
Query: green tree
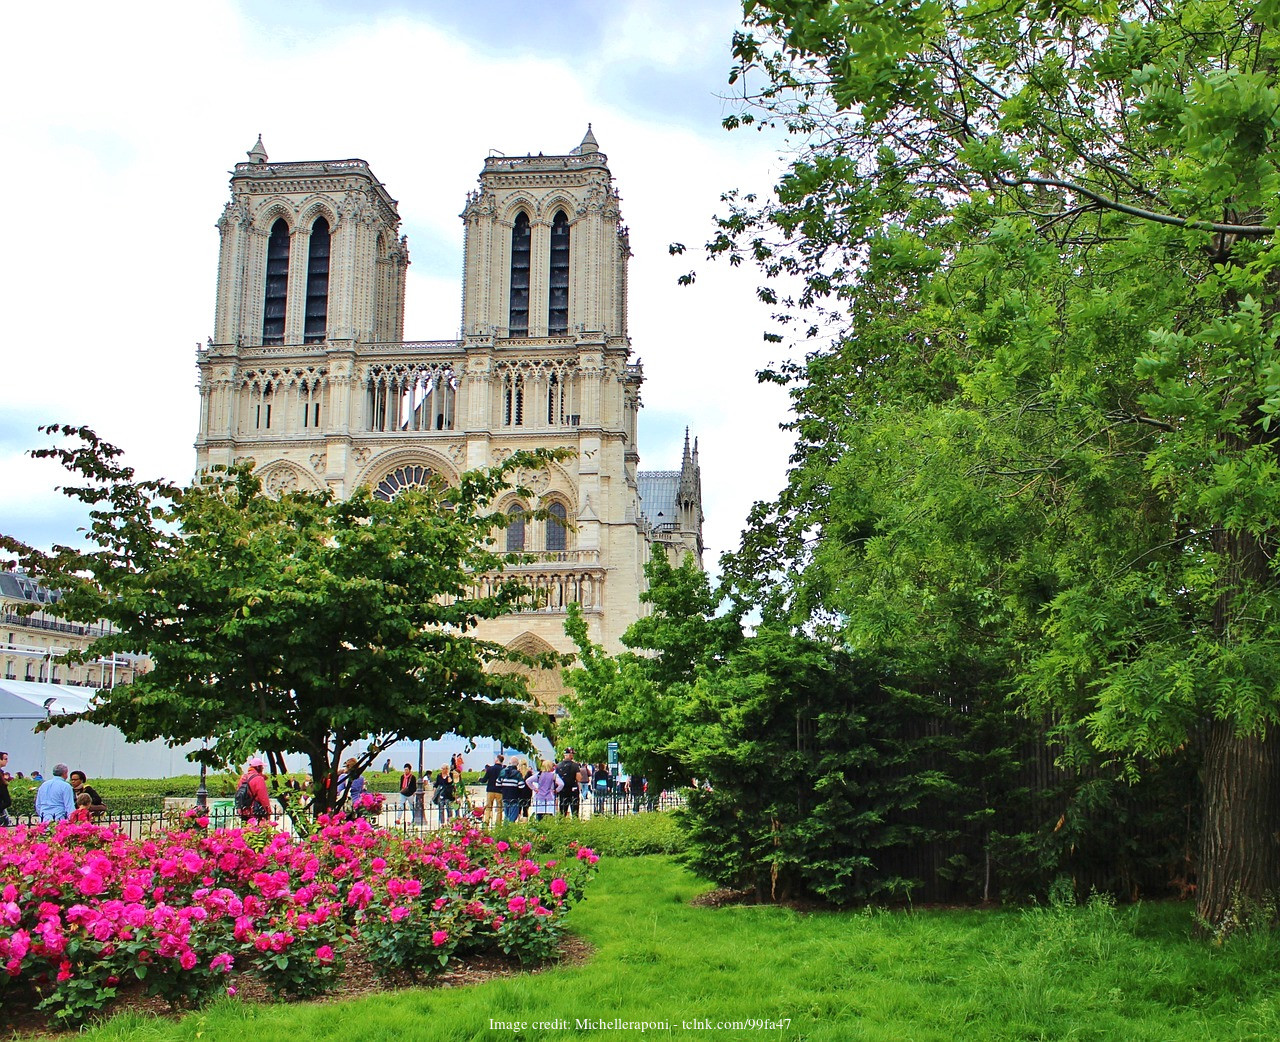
{"x":296,"y":624}
{"x":1044,"y":431}
{"x":638,"y":698}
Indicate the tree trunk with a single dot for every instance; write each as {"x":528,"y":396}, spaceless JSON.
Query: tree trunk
{"x":1239,"y":867}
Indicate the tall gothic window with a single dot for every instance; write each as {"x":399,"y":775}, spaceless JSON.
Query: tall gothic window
{"x":317,"y":283}
{"x":521,"y":240}
{"x":558,"y":295}
{"x":513,"y":399}
{"x":556,"y":526}
{"x":277,"y":283}
{"x":515,"y":529}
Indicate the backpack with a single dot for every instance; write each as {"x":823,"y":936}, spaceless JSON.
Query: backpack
{"x":244,"y":800}
{"x":245,"y":804}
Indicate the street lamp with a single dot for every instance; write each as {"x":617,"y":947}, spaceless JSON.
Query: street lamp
{"x":202,"y":793}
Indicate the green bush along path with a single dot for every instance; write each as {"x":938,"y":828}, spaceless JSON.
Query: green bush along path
{"x":1052,"y":972}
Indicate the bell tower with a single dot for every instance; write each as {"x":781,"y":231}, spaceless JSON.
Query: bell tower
{"x":310,"y":253}
{"x":545,"y":253}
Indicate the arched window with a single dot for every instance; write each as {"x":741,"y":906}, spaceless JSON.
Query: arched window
{"x":521,"y":240}
{"x":277,"y":284}
{"x":317,"y":283}
{"x":515,"y":529}
{"x":556,"y":527}
{"x":513,"y":399}
{"x":558,"y":295}
{"x":402,"y":478}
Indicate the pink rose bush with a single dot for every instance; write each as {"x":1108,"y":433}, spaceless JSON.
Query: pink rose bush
{"x":84,"y":908}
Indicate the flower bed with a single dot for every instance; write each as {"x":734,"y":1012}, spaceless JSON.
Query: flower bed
{"x":85,"y":910}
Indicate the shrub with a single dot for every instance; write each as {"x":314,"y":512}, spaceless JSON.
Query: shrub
{"x":609,"y":836}
{"x":83,"y":907}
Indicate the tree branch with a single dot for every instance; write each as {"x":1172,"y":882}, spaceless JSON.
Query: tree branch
{"x":1254,"y":231}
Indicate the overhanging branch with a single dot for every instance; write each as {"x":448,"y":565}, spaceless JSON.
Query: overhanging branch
{"x":1253,"y":231}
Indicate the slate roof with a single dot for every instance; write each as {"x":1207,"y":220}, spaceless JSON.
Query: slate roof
{"x":658,"y":491}
{"x":21,"y":587}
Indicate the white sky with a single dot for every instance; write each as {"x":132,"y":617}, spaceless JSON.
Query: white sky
{"x":125,"y":119}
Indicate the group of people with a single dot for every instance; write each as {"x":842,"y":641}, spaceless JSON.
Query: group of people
{"x":514,"y":790}
{"x":65,"y":795}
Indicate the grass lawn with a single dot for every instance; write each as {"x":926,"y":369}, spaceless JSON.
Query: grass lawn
{"x":1051,"y":973}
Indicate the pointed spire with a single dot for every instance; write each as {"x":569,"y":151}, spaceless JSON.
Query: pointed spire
{"x":589,"y":145}
{"x":258,"y":154}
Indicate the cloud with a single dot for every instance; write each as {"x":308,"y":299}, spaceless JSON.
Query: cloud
{"x":132,"y":117}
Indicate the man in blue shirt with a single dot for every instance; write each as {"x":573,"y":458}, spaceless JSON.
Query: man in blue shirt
{"x":55,"y":799}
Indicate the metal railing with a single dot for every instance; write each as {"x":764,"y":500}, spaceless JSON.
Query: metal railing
{"x":397,"y":813}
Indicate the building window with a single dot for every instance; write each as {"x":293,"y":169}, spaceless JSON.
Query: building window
{"x":521,"y":244}
{"x":277,"y":284}
{"x":558,"y":295}
{"x":317,"y":283}
{"x":309,"y":395}
{"x":262,"y":416}
{"x":402,"y":478}
{"x":556,"y":527}
{"x":515,"y":529}
{"x":513,"y":400}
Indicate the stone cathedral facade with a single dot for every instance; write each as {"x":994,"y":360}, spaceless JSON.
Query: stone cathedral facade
{"x":308,"y":373}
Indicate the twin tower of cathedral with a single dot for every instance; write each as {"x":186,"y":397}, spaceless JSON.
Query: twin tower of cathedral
{"x":308,"y":373}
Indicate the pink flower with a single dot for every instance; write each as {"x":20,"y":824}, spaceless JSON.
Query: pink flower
{"x":559,"y":887}
{"x":398,"y":913}
{"x":188,"y":959}
{"x":517,"y":905}
{"x":223,"y":962}
{"x":231,"y":993}
{"x":439,"y":937}
{"x":325,"y":953}
{"x":64,"y":971}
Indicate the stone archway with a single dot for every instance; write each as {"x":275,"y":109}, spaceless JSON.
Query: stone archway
{"x":546,"y":686}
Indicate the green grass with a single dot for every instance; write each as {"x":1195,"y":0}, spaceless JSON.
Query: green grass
{"x":1089,"y":973}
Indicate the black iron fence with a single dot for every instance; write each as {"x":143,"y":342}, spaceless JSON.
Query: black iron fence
{"x":145,"y":816}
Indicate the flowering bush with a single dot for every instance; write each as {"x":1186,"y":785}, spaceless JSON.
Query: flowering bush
{"x":368,"y":804}
{"x":84,"y":908}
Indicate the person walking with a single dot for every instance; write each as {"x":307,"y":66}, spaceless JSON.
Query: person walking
{"x":442,"y":794}
{"x":492,"y":793}
{"x":545,"y":786}
{"x":55,"y":799}
{"x":601,"y":782}
{"x":526,"y":795}
{"x":257,"y":807}
{"x":569,"y":770}
{"x":511,"y":783}
{"x":80,"y":784}
{"x":408,"y":790}
{"x":6,"y":801}
{"x":351,"y":780}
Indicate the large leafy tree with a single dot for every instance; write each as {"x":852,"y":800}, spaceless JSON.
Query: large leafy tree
{"x":639,"y":698}
{"x":298,"y":624}
{"x":1043,"y":429}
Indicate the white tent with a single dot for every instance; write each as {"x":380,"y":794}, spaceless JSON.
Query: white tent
{"x":101,"y":752}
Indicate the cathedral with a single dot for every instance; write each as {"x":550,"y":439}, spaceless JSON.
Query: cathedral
{"x":308,"y":373}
